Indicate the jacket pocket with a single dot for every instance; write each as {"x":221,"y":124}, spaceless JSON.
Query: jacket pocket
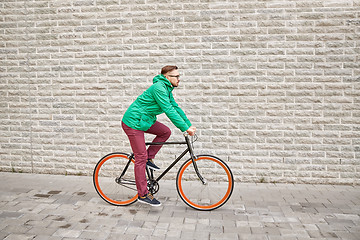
{"x":145,"y":123}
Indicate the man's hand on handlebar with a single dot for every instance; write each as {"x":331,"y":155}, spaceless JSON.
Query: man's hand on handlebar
{"x":191,"y":131}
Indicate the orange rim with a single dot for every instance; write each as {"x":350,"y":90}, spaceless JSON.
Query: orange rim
{"x":96,"y":175}
{"x":215,"y":205}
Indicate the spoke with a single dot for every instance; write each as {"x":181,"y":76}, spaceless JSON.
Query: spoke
{"x":211,"y":195}
{"x":112,"y":188}
{"x":124,"y":184}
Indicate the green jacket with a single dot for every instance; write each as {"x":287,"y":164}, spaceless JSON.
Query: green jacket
{"x":157,"y":99}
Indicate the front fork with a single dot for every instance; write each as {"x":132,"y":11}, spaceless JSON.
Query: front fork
{"x":193,"y":158}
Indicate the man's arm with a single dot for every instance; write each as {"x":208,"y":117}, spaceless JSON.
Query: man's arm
{"x":172,"y":112}
{"x":179,"y":110}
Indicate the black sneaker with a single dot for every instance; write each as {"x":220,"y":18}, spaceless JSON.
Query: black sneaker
{"x":149,"y":199}
{"x":150,"y":164}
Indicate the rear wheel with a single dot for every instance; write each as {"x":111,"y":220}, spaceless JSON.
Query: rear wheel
{"x":107,"y":182}
{"x":216,"y":190}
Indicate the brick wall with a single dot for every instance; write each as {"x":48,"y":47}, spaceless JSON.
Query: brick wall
{"x":272,"y":86}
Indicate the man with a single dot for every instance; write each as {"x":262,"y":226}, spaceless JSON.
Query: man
{"x":140,"y":118}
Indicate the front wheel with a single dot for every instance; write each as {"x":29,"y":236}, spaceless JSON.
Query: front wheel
{"x":210,"y":193}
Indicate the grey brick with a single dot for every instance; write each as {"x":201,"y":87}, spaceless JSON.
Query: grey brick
{"x":259,"y":79}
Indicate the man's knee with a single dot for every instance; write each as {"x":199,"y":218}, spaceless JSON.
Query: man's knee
{"x":167,"y":132}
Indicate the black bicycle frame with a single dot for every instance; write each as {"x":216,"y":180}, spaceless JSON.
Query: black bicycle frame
{"x":189,"y":149}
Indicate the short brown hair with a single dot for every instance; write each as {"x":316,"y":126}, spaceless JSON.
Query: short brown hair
{"x":167,"y":69}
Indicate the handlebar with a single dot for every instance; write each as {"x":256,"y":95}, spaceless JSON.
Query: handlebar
{"x":193,"y":138}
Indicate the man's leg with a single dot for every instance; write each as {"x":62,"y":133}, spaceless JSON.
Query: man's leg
{"x":137,"y":142}
{"x":162,"y":133}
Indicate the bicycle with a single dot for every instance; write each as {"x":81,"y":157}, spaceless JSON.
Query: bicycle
{"x":203,"y":182}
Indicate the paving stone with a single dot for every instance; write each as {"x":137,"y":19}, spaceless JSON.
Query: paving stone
{"x":75,"y":215}
{"x":44,"y":231}
{"x":67,"y":233}
{"x":98,"y":235}
{"x":19,"y":237}
{"x":47,"y":237}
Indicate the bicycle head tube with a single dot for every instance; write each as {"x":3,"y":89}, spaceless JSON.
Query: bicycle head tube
{"x":190,"y":146}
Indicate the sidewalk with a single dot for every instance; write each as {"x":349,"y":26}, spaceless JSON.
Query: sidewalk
{"x":53,"y":207}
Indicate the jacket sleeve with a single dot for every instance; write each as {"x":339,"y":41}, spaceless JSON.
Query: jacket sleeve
{"x":179,"y":110}
{"x":176,"y":116}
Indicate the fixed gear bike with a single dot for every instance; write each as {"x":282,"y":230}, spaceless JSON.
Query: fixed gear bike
{"x":203,"y":182}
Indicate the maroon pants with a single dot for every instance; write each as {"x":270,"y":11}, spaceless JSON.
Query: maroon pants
{"x":137,"y":142}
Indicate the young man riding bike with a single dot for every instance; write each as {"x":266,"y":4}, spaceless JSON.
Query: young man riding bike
{"x":140,"y":118}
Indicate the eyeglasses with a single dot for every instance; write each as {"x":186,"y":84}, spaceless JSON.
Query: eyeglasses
{"x":177,"y":76}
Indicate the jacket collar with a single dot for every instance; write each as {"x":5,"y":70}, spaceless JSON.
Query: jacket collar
{"x":163,"y":79}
